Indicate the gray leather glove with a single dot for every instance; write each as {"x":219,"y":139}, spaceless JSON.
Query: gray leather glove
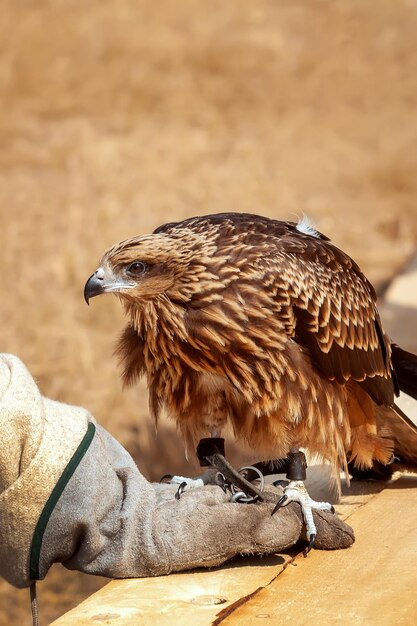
{"x":70,"y":493}
{"x":111,"y":521}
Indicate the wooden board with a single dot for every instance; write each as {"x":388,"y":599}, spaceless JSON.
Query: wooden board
{"x":174,"y":600}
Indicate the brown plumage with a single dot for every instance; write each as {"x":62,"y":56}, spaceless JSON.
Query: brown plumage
{"x":265,"y":325}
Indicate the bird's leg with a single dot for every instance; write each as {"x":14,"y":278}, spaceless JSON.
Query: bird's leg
{"x":212,"y":476}
{"x":295,"y":491}
{"x":210,"y":452}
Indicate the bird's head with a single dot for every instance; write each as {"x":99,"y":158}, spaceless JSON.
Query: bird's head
{"x":144,"y":268}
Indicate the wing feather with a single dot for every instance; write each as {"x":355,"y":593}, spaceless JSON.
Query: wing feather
{"x":336,"y":317}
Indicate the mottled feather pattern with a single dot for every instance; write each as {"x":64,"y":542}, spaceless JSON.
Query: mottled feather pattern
{"x":248,"y":321}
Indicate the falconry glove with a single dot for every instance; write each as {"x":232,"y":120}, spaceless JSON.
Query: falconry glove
{"x":70,"y":493}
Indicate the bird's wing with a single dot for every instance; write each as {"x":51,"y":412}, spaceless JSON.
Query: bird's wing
{"x":330,"y":310}
{"x":335,"y":315}
{"x":326,"y":303}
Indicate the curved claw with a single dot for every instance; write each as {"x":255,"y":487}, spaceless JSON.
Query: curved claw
{"x":281,"y":502}
{"x":280,"y":483}
{"x":310,"y":544}
{"x":180,"y":490}
{"x":166,"y":478}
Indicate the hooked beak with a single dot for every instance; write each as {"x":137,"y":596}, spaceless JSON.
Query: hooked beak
{"x":100,"y":282}
{"x":93,"y":286}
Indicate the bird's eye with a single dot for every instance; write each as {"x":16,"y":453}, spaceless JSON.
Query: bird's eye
{"x":135,"y":268}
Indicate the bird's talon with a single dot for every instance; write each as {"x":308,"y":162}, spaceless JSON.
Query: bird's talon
{"x":280,"y":483}
{"x":295,"y":491}
{"x":281,"y":502}
{"x":180,"y":490}
{"x":166,"y":478}
{"x":310,"y":544}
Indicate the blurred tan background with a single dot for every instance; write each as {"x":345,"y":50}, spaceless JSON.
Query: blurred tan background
{"x":119,"y":115}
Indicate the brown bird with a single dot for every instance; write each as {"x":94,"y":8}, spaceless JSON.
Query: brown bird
{"x":264,"y":325}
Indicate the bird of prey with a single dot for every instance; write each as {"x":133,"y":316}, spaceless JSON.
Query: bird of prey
{"x":266,"y":326}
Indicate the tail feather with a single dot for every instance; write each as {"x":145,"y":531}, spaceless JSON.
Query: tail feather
{"x":401,"y":432}
{"x":405,"y":367}
{"x":394,"y":424}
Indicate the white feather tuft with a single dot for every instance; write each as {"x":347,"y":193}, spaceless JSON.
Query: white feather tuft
{"x":307,"y":227}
